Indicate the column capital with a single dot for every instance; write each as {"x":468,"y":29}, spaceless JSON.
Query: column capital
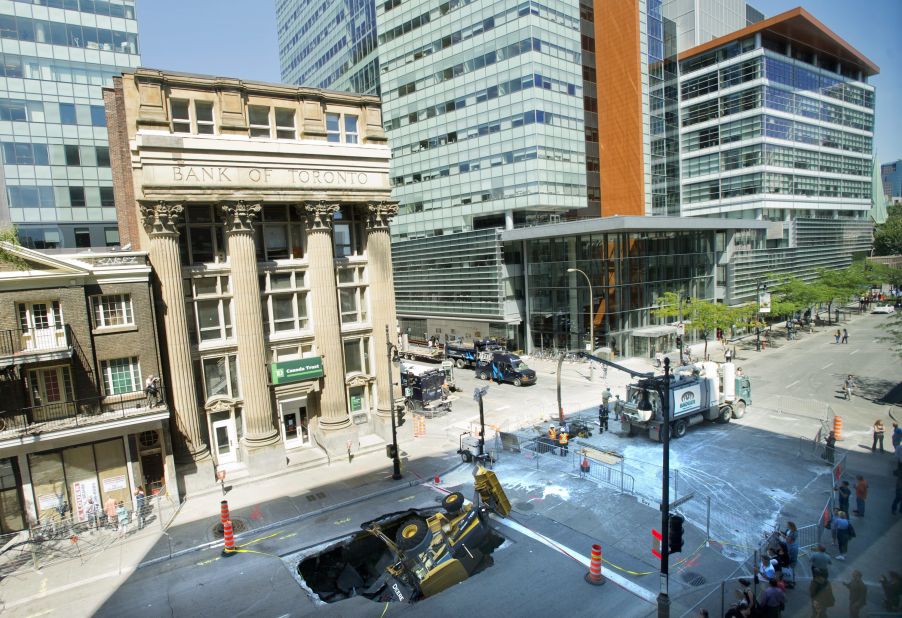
{"x":161,"y":218}
{"x":240,"y":216}
{"x":319,"y":215}
{"x":379,"y":214}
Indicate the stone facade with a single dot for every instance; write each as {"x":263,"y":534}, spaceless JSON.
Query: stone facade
{"x":265,"y":211}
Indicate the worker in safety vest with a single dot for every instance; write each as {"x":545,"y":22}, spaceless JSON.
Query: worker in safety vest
{"x":564,"y":439}
{"x":552,"y":438}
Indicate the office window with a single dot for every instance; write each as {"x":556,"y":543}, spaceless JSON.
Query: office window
{"x":204,"y":112}
{"x":67,"y":113}
{"x":77,"y":197}
{"x":82,"y":237}
{"x":111,"y":236}
{"x":98,"y":116}
{"x":106,"y":197}
{"x":121,"y":375}
{"x":103,"y":156}
{"x":203,"y":240}
{"x":72,"y":155}
{"x":285,"y":123}
{"x":181,"y":119}
{"x":221,"y":376}
{"x":352,"y":295}
{"x":25,"y":154}
{"x":357,"y":355}
{"x":214,"y":319}
{"x":112,"y":310}
{"x":341,"y":128}
{"x":284,"y":301}
{"x":258,"y":119}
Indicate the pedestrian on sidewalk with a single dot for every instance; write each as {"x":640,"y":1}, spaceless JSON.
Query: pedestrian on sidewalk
{"x":861,"y":494}
{"x":791,"y":536}
{"x":836,"y":336}
{"x":122,"y":517}
{"x":843,"y":529}
{"x":820,"y":562}
{"x":845,"y":336}
{"x":93,"y":513}
{"x":830,"y":447}
{"x":858,"y":594}
{"x":109,"y":507}
{"x":822,"y":597}
{"x":898,"y":451}
{"x":139,"y":507}
{"x":844,"y":492}
{"x":897,"y":500}
{"x":772,"y":600}
{"x":892,"y":590}
{"x":897,"y":435}
{"x":878,"y":436}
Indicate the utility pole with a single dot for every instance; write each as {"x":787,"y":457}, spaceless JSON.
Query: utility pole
{"x":395,"y":459}
{"x":591,"y":320}
{"x":679,"y":335}
{"x":663,"y":598}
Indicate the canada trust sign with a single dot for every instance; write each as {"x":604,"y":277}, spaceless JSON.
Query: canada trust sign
{"x":206,"y":176}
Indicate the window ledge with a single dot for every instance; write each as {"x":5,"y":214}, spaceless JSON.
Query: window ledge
{"x":108,"y":330}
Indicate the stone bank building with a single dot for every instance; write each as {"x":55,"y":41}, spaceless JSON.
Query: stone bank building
{"x":265,"y":212}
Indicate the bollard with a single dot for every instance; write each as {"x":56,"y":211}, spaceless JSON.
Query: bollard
{"x":594,"y":575}
{"x":228,"y":548}
{"x":224,"y":512}
{"x":837,"y":427}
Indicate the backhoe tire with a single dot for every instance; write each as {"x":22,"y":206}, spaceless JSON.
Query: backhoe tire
{"x":739,"y":409}
{"x":452,"y":503}
{"x":411,"y":533}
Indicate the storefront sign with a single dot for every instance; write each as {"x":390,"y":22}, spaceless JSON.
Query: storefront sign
{"x":49,"y":501}
{"x":84,"y":491}
{"x":113,"y":483}
{"x":356,"y":402}
{"x":207,"y":175}
{"x":297,"y":370}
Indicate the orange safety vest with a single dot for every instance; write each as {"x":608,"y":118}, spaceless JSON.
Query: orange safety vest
{"x":552,"y":433}
{"x":564,"y":438}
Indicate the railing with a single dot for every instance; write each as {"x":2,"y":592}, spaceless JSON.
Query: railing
{"x":80,"y":412}
{"x":17,"y":341}
{"x":546,"y":454}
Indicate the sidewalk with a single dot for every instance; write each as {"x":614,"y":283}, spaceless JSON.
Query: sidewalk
{"x":254,"y":507}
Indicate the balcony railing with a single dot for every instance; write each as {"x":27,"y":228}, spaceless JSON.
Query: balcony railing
{"x":79,"y":413}
{"x":18,"y":346}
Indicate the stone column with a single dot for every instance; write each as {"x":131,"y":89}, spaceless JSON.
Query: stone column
{"x":382,"y":303}
{"x":160,"y":221}
{"x":334,"y":421}
{"x":259,"y":427}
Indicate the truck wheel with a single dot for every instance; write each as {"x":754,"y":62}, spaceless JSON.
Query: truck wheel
{"x":460,"y":363}
{"x":678,"y":429}
{"x":452,"y":503}
{"x":411,"y":533}
{"x":739,"y":409}
{"x":517,"y":382}
{"x":726,"y":413}
{"x":483,"y":375}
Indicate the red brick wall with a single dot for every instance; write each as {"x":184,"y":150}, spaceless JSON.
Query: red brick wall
{"x":120,"y":162}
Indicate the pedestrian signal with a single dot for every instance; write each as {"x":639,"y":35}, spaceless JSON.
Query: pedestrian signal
{"x":675,"y":533}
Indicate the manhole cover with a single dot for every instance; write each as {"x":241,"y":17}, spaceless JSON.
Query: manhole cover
{"x":238,"y":526}
{"x":694,"y":579}
{"x":524,"y":506}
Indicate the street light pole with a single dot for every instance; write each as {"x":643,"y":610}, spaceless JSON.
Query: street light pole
{"x":757,"y":315}
{"x":591,"y":319}
{"x":395,"y":460}
{"x":680,"y":336}
{"x":663,"y":597}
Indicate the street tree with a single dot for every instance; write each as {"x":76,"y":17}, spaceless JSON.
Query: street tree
{"x":700,"y":316}
{"x":888,"y":235}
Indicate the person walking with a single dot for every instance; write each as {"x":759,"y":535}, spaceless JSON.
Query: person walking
{"x":820,"y":562}
{"x":861,"y":494}
{"x":772,"y":600}
{"x":822,"y":597}
{"x":830,"y":448}
{"x":848,"y":385}
{"x":844,"y":493}
{"x":791,"y":536}
{"x":858,"y":594}
{"x":122,"y":518}
{"x":139,"y":507}
{"x":897,"y":435}
{"x":836,"y":337}
{"x":109,"y":507}
{"x":845,"y":336}
{"x":92,"y":511}
{"x":843,"y":533}
{"x":878,"y":436}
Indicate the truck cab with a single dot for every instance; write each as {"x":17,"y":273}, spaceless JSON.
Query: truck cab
{"x":467,"y":354}
{"x":504,"y":367}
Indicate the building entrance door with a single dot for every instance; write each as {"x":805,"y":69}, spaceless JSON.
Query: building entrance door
{"x":42,"y":326}
{"x":225,"y":441}
{"x":295,"y":431}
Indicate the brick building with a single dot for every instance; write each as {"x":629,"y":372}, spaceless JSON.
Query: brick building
{"x":77,"y":342}
{"x":265,"y":211}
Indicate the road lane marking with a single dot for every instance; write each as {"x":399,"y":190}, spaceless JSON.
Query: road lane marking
{"x":854,"y":352}
{"x":827,"y":365}
{"x":342,"y":521}
{"x":793,"y":384}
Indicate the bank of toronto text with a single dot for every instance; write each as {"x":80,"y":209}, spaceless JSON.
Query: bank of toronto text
{"x":267,"y":175}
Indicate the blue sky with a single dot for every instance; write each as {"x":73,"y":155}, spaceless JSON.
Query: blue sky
{"x":237,"y":38}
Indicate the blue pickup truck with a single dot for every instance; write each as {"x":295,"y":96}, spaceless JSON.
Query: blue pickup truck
{"x":504,"y":367}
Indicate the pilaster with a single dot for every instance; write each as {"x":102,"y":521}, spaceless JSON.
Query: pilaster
{"x":259,"y":425}
{"x":161,"y":221}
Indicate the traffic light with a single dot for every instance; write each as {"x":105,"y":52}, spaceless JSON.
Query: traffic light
{"x":675,"y":533}
{"x":399,"y":415}
{"x":390,"y":451}
{"x":679,"y":342}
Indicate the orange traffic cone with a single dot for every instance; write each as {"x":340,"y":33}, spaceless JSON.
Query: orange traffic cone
{"x":594,"y":575}
{"x":228,"y":548}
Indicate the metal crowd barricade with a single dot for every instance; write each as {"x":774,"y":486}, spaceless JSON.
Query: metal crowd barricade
{"x":547,"y":455}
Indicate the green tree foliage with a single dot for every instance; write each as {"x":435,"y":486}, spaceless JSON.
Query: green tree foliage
{"x":9,"y":236}
{"x":703,"y":317}
{"x":888,"y":235}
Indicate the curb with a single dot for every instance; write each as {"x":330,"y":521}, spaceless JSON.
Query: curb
{"x":291,"y":520}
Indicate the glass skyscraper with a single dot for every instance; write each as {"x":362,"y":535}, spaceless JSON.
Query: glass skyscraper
{"x":55,"y":57}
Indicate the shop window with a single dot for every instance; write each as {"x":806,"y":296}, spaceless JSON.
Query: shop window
{"x":49,"y":483}
{"x":121,"y":375}
{"x":12,"y":515}
{"x":112,"y":310}
{"x":221,"y":376}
